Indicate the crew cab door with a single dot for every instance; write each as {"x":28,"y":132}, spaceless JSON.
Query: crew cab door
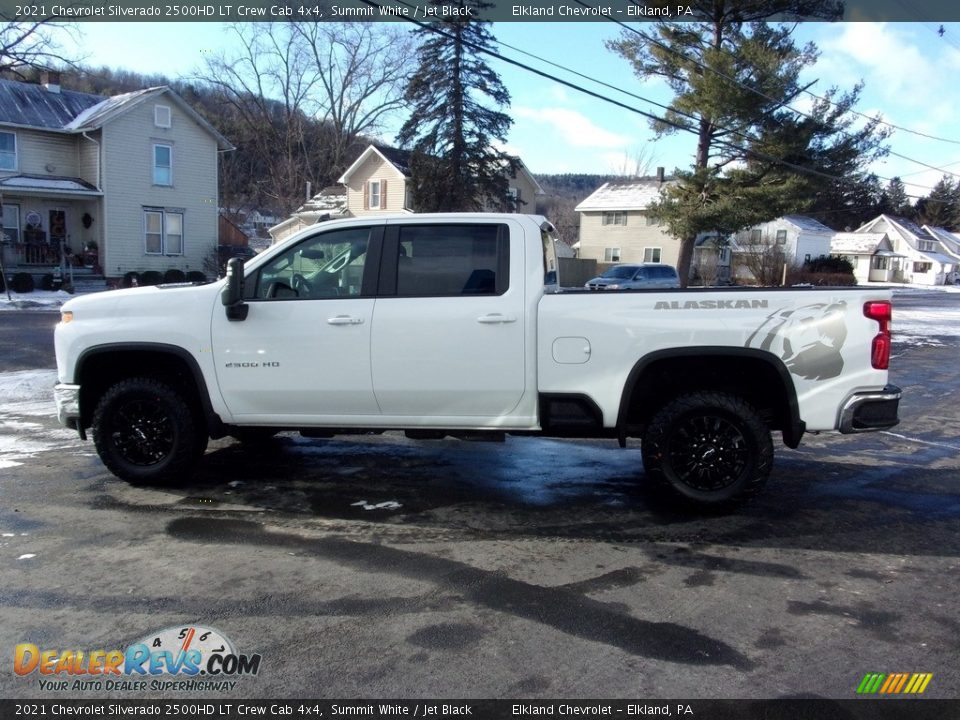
{"x":303,"y":352}
{"x":449,"y":323}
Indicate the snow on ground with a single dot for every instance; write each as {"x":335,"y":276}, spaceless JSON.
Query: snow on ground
{"x":27,"y":395}
{"x":37,"y":300}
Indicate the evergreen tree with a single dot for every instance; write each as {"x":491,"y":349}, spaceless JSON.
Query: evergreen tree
{"x":732,"y":75}
{"x":941,"y":208}
{"x":453,"y":122}
{"x":895,"y":200}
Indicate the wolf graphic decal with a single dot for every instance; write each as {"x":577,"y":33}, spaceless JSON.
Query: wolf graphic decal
{"x":808,"y":339}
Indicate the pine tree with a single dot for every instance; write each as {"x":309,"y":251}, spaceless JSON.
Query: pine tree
{"x":895,"y":200}
{"x":733,"y":75}
{"x":453,"y":122}
{"x":941,"y":208}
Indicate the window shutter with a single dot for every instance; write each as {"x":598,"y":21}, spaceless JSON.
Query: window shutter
{"x":383,"y":194}
{"x":366,"y":196}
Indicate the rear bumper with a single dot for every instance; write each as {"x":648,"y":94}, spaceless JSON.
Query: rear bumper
{"x":67,"y":398}
{"x":867,"y":411}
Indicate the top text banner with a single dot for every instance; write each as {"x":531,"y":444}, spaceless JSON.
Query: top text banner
{"x":927,"y":11}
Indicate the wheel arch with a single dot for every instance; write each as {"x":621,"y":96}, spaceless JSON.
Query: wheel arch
{"x":756,"y":375}
{"x":101,"y":366}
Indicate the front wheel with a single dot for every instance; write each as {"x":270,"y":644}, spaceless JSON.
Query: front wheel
{"x":145,"y":432}
{"x":708,"y":449}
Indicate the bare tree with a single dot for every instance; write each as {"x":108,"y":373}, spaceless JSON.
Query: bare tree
{"x":32,"y":44}
{"x":361,"y":70}
{"x":764,"y":261}
{"x":636,"y":162}
{"x":301,"y":95}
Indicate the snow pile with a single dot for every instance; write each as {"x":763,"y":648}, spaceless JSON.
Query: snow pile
{"x":37,"y":300}
{"x":28,"y":394}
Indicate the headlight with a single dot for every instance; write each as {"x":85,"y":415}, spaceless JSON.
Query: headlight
{"x":66,"y":316}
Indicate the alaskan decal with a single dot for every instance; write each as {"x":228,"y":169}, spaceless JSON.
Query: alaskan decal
{"x":808,"y":339}
{"x":712,"y":305}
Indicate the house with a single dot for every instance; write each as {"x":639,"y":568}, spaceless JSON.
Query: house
{"x":919,"y":256}
{"x":795,"y":239}
{"x":328,"y":204}
{"x":871,"y":255}
{"x":615,"y":225}
{"x":378,"y":183}
{"x":949,"y":242}
{"x":129,"y":182}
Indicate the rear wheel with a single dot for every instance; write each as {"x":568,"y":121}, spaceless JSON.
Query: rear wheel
{"x":708,"y":449}
{"x":146,"y":432}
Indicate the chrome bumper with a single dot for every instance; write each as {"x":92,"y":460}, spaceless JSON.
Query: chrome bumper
{"x":866,"y":411}
{"x":67,"y":398}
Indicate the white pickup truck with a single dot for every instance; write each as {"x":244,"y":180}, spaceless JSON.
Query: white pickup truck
{"x":456,"y":325}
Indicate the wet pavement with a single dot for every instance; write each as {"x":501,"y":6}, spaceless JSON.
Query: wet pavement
{"x":377,"y":566}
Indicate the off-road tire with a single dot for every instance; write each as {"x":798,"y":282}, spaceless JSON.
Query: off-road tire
{"x":146,"y":432}
{"x":708,"y":449}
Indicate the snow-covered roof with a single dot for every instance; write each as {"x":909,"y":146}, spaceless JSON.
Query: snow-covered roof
{"x":29,"y":105}
{"x":949,"y":241}
{"x":636,"y":194}
{"x":68,"y":185}
{"x":853,"y":243}
{"x":111,"y":107}
{"x":808,"y":224}
{"x":331,"y":200}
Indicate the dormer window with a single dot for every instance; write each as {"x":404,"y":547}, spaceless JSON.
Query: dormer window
{"x":8,"y":151}
{"x":161,"y":116}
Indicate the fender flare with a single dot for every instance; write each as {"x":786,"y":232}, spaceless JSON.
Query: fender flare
{"x":792,"y":434}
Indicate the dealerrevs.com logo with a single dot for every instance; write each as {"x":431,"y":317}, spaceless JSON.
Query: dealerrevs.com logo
{"x":189,"y":659}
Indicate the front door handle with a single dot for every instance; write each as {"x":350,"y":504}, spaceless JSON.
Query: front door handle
{"x":496,"y":318}
{"x":344,"y":320}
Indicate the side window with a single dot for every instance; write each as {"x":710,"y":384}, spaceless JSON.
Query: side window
{"x":323,"y":266}
{"x":450,"y":260}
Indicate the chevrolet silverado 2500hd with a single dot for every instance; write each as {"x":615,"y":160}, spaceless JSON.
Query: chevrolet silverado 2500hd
{"x":455,"y":324}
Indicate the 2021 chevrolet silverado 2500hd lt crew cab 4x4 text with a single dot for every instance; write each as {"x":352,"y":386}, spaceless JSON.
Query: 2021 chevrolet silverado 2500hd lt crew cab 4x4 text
{"x":454,"y":324}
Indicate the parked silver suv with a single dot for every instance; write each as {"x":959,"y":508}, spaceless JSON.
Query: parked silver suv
{"x":636,"y":277}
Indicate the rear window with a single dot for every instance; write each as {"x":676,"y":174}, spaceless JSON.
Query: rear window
{"x":450,"y":260}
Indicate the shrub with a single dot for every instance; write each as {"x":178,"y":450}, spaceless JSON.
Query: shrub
{"x":22,"y":282}
{"x":131,"y":279}
{"x":803,"y":277}
{"x":151,"y":277}
{"x":46,"y":282}
{"x":829,"y":264}
{"x":3,"y":284}
{"x":173,"y":275}
{"x":196,"y":276}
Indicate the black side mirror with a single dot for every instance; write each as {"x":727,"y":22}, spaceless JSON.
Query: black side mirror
{"x":232,"y":295}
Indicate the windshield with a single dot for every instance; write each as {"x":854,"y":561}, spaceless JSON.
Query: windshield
{"x":621,"y":272}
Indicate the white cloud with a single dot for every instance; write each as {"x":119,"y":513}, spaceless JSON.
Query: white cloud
{"x":575,"y":128}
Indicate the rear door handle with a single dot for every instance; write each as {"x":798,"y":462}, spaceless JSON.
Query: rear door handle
{"x":496,"y":318}
{"x":344,"y":320}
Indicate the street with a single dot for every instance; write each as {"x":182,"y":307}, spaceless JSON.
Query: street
{"x":377,"y":566}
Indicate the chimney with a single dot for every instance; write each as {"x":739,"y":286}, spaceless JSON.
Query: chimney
{"x":51,"y":81}
{"x":660,"y":175}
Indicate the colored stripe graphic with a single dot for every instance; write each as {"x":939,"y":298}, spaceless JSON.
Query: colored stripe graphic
{"x":894,"y":683}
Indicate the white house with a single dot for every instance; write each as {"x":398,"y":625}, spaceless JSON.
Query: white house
{"x":797,"y":237}
{"x":923,"y":260}
{"x":871,"y":255}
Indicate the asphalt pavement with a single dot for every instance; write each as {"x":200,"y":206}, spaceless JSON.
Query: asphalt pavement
{"x":377,"y":566}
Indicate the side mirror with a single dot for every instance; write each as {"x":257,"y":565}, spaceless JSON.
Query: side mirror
{"x":232,"y":295}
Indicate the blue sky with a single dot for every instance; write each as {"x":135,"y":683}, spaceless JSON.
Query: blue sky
{"x":908,"y":68}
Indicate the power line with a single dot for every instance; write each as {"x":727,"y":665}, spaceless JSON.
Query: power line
{"x":785,"y":105}
{"x":679,"y":126}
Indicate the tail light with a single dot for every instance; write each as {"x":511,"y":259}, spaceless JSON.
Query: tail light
{"x":882,"y":312}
